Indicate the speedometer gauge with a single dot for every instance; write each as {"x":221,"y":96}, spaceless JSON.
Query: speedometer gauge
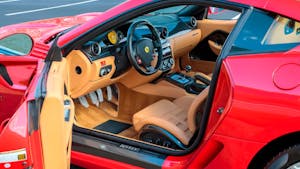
{"x":112,"y":37}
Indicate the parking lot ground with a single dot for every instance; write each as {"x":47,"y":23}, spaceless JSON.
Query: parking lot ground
{"x":17,"y":11}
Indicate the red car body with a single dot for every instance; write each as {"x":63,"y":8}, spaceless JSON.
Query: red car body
{"x":261,"y":105}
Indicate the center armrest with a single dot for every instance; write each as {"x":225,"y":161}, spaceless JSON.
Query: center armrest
{"x":162,"y":88}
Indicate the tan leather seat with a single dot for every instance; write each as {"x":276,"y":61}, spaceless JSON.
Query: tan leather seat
{"x":177,"y":117}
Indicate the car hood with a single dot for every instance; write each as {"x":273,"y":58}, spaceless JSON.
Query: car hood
{"x":42,"y":30}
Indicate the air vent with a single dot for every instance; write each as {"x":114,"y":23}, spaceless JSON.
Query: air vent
{"x":93,"y":49}
{"x":193,"y":22}
{"x":164,"y":33}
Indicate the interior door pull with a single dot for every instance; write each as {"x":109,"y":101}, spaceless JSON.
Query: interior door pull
{"x":4,"y":74}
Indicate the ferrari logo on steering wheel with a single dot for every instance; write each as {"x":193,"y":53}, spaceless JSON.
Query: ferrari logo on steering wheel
{"x":147,"y":49}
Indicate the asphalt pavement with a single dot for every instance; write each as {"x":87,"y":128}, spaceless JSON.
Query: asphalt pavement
{"x":17,"y":11}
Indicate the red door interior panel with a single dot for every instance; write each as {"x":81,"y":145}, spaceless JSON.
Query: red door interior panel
{"x":15,"y":76}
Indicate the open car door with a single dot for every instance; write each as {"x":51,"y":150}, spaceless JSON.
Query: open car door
{"x":56,"y":120}
{"x":36,"y":115}
{"x":16,"y":71}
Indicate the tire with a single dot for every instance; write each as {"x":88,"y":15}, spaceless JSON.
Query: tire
{"x":287,"y":159}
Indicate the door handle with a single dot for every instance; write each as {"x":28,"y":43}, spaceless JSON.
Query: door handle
{"x":4,"y":74}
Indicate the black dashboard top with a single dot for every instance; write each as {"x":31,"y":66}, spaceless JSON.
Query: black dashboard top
{"x":108,"y":43}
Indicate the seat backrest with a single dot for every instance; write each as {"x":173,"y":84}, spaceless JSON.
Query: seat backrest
{"x":194,"y":108}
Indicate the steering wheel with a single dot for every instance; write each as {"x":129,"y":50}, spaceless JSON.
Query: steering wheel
{"x":145,"y":54}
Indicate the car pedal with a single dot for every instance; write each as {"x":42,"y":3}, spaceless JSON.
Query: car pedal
{"x":109,"y":93}
{"x":100,"y":95}
{"x":83,"y":101}
{"x":94,"y":98}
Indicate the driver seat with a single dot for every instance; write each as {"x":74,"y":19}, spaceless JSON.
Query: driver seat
{"x":169,"y":119}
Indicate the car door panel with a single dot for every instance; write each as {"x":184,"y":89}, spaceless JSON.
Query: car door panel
{"x":15,"y":76}
{"x":16,"y":73}
{"x":56,"y":121}
{"x":256,"y":95}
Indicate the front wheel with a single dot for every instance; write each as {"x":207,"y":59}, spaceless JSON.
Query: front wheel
{"x":287,"y":159}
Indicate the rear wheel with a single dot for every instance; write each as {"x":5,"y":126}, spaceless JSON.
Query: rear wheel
{"x":287,"y":159}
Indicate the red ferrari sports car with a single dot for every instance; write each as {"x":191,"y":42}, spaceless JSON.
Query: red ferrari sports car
{"x":154,"y":84}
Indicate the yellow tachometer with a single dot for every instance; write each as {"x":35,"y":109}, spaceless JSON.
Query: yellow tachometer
{"x":112,"y":37}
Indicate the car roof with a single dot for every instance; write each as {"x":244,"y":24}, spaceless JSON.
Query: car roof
{"x":288,"y":8}
{"x":284,"y":7}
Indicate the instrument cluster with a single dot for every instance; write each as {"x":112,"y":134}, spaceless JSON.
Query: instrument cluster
{"x":101,"y":46}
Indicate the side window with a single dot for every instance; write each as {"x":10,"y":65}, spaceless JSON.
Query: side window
{"x":16,"y":45}
{"x":282,"y":31}
{"x":267,"y":32}
{"x":215,"y":13}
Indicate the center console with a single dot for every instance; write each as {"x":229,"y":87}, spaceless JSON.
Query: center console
{"x":186,"y":82}
{"x":167,"y":61}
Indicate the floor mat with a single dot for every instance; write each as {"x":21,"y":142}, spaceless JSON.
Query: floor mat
{"x":113,"y":126}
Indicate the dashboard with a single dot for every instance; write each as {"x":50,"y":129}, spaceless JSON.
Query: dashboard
{"x":106,"y":54}
{"x":113,"y":42}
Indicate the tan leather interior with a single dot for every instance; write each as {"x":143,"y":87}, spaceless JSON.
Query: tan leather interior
{"x":140,"y":102}
{"x":216,"y":48}
{"x":56,"y":133}
{"x":184,"y":102}
{"x":197,"y":105}
{"x":132,"y":101}
{"x":177,"y":117}
{"x":182,"y":44}
{"x":129,"y":102}
{"x":208,"y":26}
{"x":192,"y":74}
{"x":203,"y":66}
{"x":132,"y":78}
{"x":89,"y":77}
{"x":162,"y":88}
{"x":167,"y":115}
{"x":93,"y":116}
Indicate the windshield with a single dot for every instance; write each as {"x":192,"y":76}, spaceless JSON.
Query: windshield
{"x":173,"y":9}
{"x":16,"y":45}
